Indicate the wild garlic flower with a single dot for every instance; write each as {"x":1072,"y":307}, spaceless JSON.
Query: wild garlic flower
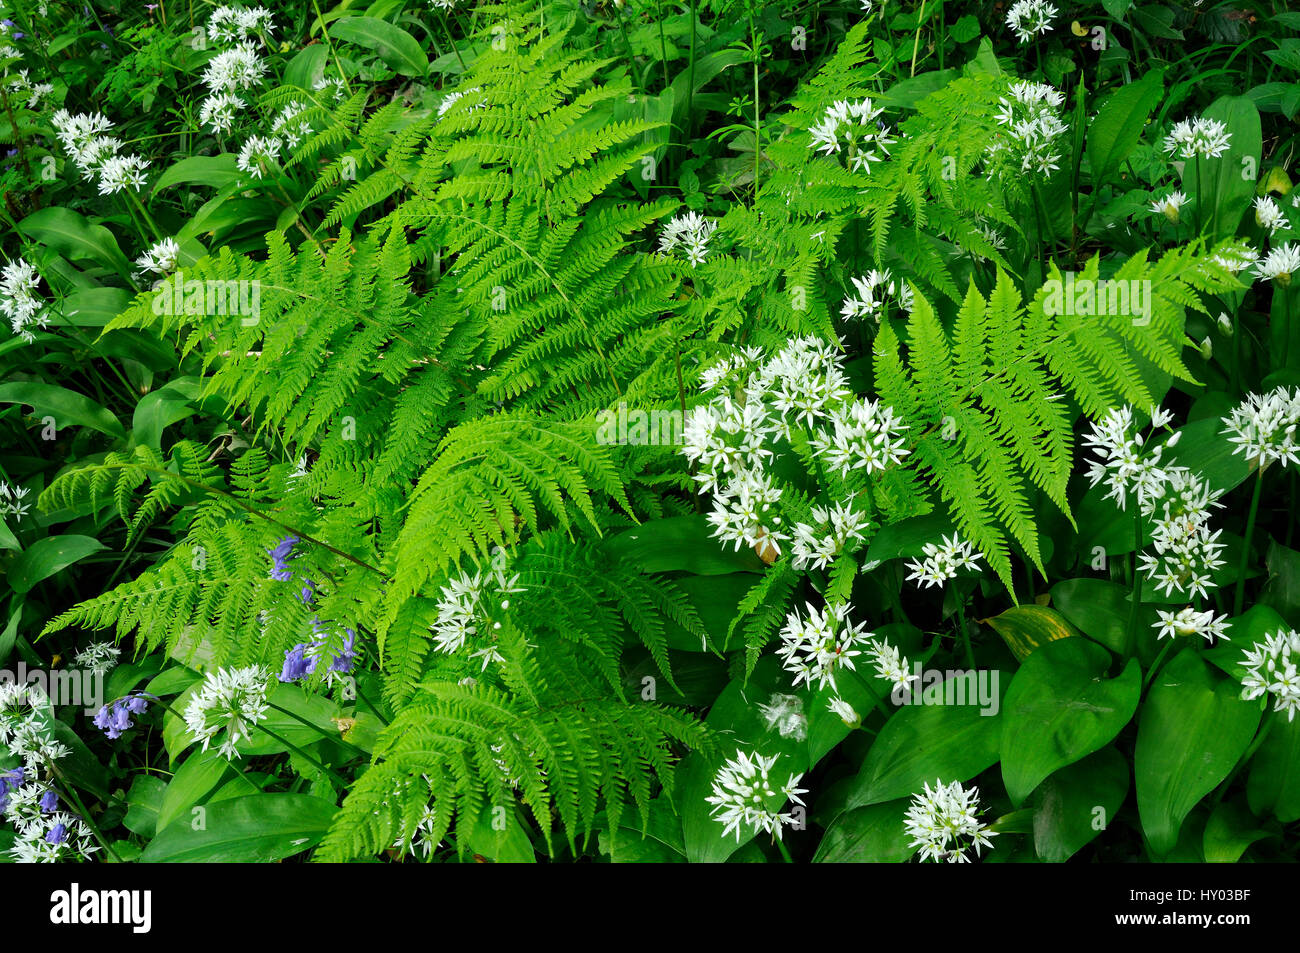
{"x":119,"y":173}
{"x":1186,"y":551}
{"x":22,"y":305}
{"x":1198,"y":138}
{"x":864,"y":435}
{"x":890,"y":664}
{"x":99,"y":658}
{"x":691,"y":232}
{"x":1236,"y":256}
{"x":1280,"y":264}
{"x":234,"y":70}
{"x":1263,"y":427}
{"x":1170,"y":206}
{"x":257,"y":154}
{"x":289,"y":126}
{"x":21,"y":86}
{"x":339,"y":88}
{"x":1032,"y":128}
{"x":1271,"y":669}
{"x":467,"y":611}
{"x":944,"y":823}
{"x":13,"y":500}
{"x":232,"y":24}
{"x":56,"y":838}
{"x":845,"y":711}
{"x":878,"y":293}
{"x":784,"y":714}
{"x":760,"y":401}
{"x":743,"y":792}
{"x":1190,"y":622}
{"x":1268,"y":215}
{"x":1126,"y":463}
{"x":27,"y":727}
{"x":816,"y":648}
{"x":816,"y":546}
{"x":75,"y":131}
{"x":942,"y":561}
{"x":231,"y":702}
{"x":160,"y":259}
{"x":1030,"y":18}
{"x":855,"y":128}
{"x":220,"y":111}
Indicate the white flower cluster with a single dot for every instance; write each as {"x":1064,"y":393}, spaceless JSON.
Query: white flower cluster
{"x":1268,"y":216}
{"x":691,"y":232}
{"x":1279,"y":264}
{"x":1263,"y":427}
{"x":99,"y":658}
{"x":1190,"y":622}
{"x":257,"y":153}
{"x":160,"y":259}
{"x":465,"y":607}
{"x":1030,"y":18}
{"x":1198,"y":138}
{"x":816,"y":648}
{"x":942,"y":561}
{"x":20,"y":86}
{"x":816,"y":546}
{"x":291,"y":126}
{"x":13,"y":500}
{"x":855,"y":128}
{"x":52,"y":838}
{"x":19,"y":301}
{"x":1176,"y":500}
{"x":1032,"y":127}
{"x":1170,"y":206}
{"x":877,"y":291}
{"x":236,"y":24}
{"x":944,"y":823}
{"x":757,"y":402}
{"x":743,"y":789}
{"x":233,"y":700}
{"x":1236,"y":256}
{"x":96,"y":154}
{"x":26,"y":726}
{"x":335,"y":83}
{"x":1271,"y":669}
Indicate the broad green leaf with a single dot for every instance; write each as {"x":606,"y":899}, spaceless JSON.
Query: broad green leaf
{"x":1100,"y":610}
{"x":1229,"y":832}
{"x":924,"y":743}
{"x":1192,"y":730}
{"x":867,"y":835}
{"x":253,"y":829}
{"x":397,"y":48}
{"x":193,"y":780}
{"x":1119,"y":123}
{"x":72,"y":235}
{"x":1273,"y":786}
{"x":143,"y":801}
{"x":660,"y":843}
{"x":212,"y":171}
{"x":683,"y":544}
{"x":47,"y":556}
{"x":67,"y":407}
{"x":1061,"y":707}
{"x":1078,"y":802}
{"x":1026,"y":628}
{"x":1226,"y":185}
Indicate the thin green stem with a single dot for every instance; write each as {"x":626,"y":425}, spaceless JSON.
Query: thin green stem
{"x":1130,"y":645}
{"x":1239,"y":599}
{"x":71,"y":794}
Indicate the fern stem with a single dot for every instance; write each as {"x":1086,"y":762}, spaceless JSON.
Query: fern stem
{"x":1239,"y":599}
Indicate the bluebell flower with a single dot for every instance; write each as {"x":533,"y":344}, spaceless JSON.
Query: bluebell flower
{"x":12,"y":779}
{"x":49,"y":802}
{"x":297,"y":665}
{"x":115,"y":718}
{"x":308,"y":591}
{"x":57,"y":835}
{"x":281,"y":554}
{"x":344,"y":660}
